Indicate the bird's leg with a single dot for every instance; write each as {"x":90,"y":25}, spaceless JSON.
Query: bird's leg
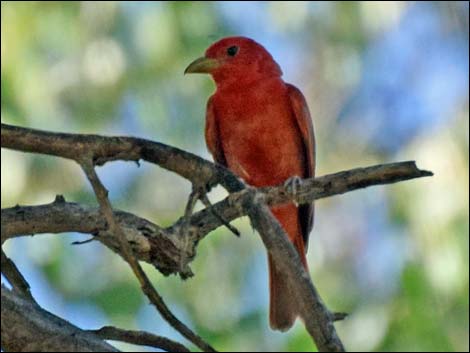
{"x":292,"y":186}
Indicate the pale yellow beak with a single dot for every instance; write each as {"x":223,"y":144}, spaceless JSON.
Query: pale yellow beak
{"x":202,"y":65}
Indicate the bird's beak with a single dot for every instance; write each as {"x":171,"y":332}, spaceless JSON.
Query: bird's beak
{"x":202,"y":65}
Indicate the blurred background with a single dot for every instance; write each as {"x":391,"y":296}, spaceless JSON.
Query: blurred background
{"x":385,"y":81}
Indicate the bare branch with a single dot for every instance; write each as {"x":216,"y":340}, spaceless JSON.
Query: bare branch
{"x":103,"y":149}
{"x":308,"y":190}
{"x":139,"y":338}
{"x":98,"y":150}
{"x":147,"y":287}
{"x":26,"y":327}
{"x":205,"y":200}
{"x":14,"y":277}
{"x":149,"y":242}
{"x":319,"y":322}
{"x":339,"y":316}
{"x":168,"y":249}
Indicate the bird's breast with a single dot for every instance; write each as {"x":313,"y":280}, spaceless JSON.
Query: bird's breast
{"x":259,"y":135}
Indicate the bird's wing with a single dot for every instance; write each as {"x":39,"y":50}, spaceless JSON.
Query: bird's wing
{"x":305,"y":125}
{"x":212,"y":134}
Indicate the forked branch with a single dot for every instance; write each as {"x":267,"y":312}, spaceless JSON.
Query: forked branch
{"x":172,"y":249}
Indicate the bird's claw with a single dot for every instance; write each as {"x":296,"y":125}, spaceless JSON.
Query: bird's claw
{"x":292,"y":185}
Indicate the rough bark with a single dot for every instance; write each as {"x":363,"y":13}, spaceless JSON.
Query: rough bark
{"x":28,"y":328}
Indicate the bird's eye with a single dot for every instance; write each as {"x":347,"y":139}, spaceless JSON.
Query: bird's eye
{"x":232,"y":51}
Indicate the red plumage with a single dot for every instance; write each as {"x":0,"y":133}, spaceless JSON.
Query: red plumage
{"x":260,"y":128}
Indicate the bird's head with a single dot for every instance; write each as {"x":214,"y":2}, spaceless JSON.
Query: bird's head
{"x":235,"y":60}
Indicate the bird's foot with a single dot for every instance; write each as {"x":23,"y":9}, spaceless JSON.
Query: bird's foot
{"x":292,"y":186}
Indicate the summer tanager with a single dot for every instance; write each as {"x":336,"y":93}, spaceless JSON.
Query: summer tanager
{"x":260,"y":128}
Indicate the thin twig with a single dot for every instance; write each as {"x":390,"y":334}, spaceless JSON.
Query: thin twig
{"x":185,"y":236}
{"x":188,"y":211}
{"x":140,"y":338}
{"x":147,"y":287}
{"x":338,"y":316}
{"x":82,"y":242}
{"x":205,"y":200}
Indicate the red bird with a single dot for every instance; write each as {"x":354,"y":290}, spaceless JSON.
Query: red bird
{"x":260,"y":128}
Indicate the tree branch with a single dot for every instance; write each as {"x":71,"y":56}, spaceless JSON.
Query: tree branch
{"x":14,"y":276}
{"x":309,"y":190}
{"x":103,"y":149}
{"x":26,"y":327}
{"x":140,"y":338}
{"x":167,"y":248}
{"x":149,"y":242}
{"x":319,"y":322}
{"x":203,"y":174}
{"x":127,"y":253}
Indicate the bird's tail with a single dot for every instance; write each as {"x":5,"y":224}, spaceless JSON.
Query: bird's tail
{"x":283,"y":309}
